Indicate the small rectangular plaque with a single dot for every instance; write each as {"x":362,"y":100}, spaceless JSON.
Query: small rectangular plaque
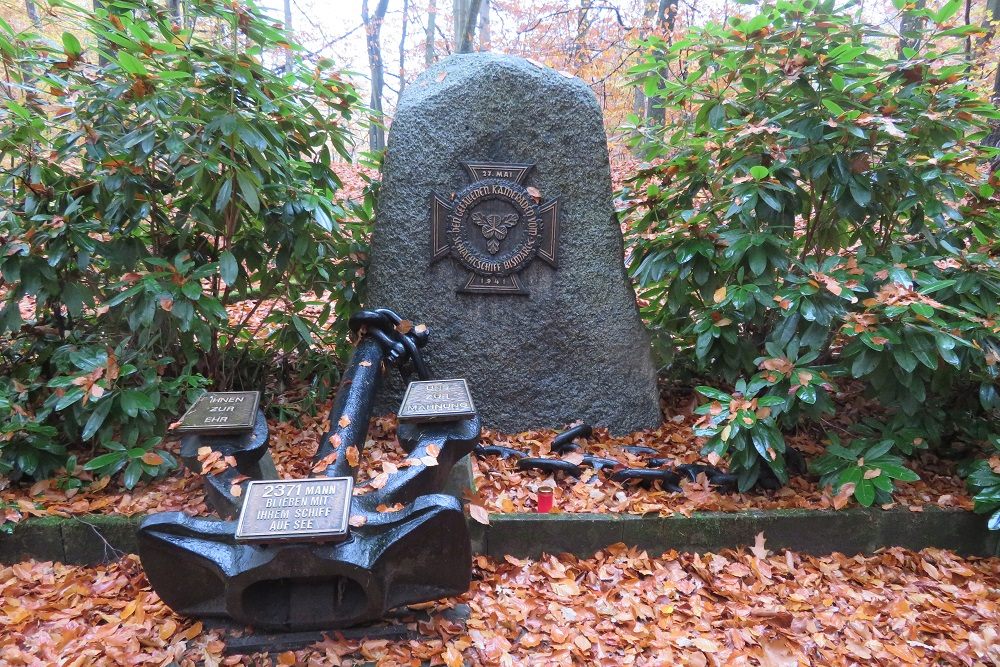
{"x":221,"y":412}
{"x":437,"y":400}
{"x":296,"y":509}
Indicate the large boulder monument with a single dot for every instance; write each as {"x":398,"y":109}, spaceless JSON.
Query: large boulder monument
{"x":495,"y":227}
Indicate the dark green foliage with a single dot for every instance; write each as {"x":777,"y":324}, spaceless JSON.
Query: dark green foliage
{"x":821,"y":215}
{"x":154,"y":178}
{"x":983,"y":480}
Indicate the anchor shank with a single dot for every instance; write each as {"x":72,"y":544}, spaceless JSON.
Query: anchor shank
{"x":355,"y":400}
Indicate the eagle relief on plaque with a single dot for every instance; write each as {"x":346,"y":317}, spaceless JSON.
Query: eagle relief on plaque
{"x":495,"y":227}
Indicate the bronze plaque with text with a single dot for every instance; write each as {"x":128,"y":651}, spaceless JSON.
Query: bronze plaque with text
{"x":296,"y":509}
{"x":495,"y":227}
{"x":221,"y":412}
{"x":436,"y":400}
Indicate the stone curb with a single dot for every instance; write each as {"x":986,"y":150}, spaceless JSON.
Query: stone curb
{"x":81,"y":540}
{"x":98,"y":538}
{"x":93,"y":538}
{"x":852,"y":531}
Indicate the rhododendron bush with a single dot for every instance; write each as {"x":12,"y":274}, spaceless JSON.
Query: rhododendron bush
{"x":824,"y":215}
{"x":155,"y":177}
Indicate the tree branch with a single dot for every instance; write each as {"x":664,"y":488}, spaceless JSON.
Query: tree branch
{"x":544,"y":17}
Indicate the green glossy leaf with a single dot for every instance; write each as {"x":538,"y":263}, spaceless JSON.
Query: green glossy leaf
{"x":133,"y":472}
{"x":104,"y":460}
{"x":758,"y":436}
{"x":71,"y":45}
{"x":131,"y":64}
{"x":224,"y":195}
{"x":904,"y":358}
{"x":96,"y":419}
{"x":922,"y":347}
{"x":935,"y":285}
{"x":808,"y":310}
{"x":989,"y":398}
{"x":864,"y":364}
{"x":871,"y":342}
{"x":946,"y":348}
{"x":714,"y":394}
{"x":770,"y":401}
{"x":133,"y":400}
{"x":192,"y":289}
{"x":229,"y":269}
{"x":69,"y":398}
{"x":703,"y":344}
{"x":896,"y":471}
{"x":75,"y":295}
{"x":122,"y":296}
{"x":949,"y":9}
{"x":807,"y":394}
{"x":303,"y":329}
{"x":833,"y":107}
{"x":861,"y":194}
{"x":777,"y":466}
{"x":249,"y":191}
{"x":864,"y":491}
{"x":757,"y":257}
{"x":322,"y":218}
{"x":769,"y":199}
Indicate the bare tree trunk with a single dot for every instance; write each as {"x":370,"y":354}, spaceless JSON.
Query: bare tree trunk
{"x":175,"y":11}
{"x":968,"y":38}
{"x":583,"y":22}
{"x":373,"y":31}
{"x":989,"y":26}
{"x":996,"y":89}
{"x":101,"y":58}
{"x":638,"y":98}
{"x":993,"y":138}
{"x":29,"y":6}
{"x":458,"y":20}
{"x":470,"y":12}
{"x":485,"y":38}
{"x":27,"y":69}
{"x":666,"y":18}
{"x":288,"y":29}
{"x":402,"y":49}
{"x":429,"y":46}
{"x":910,"y":27}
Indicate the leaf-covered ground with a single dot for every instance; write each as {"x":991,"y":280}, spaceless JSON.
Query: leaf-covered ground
{"x":621,"y":607}
{"x":501,"y":488}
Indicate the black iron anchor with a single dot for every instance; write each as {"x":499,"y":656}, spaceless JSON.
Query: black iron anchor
{"x":390,"y":558}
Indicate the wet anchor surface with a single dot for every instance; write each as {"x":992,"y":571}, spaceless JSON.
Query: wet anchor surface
{"x":318,"y":574}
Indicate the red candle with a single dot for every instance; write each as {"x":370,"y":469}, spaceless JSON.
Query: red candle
{"x":544,"y":499}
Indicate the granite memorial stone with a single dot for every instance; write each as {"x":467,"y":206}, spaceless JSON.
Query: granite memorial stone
{"x":495,"y":226}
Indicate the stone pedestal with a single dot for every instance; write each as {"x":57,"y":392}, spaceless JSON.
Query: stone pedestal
{"x":495,"y":227}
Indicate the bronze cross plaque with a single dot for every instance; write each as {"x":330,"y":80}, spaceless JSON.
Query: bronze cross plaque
{"x":436,"y":401}
{"x":296,"y":509}
{"x":495,"y":227}
{"x":221,"y":412}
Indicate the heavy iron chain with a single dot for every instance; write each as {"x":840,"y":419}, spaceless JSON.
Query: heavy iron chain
{"x":658,"y":468}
